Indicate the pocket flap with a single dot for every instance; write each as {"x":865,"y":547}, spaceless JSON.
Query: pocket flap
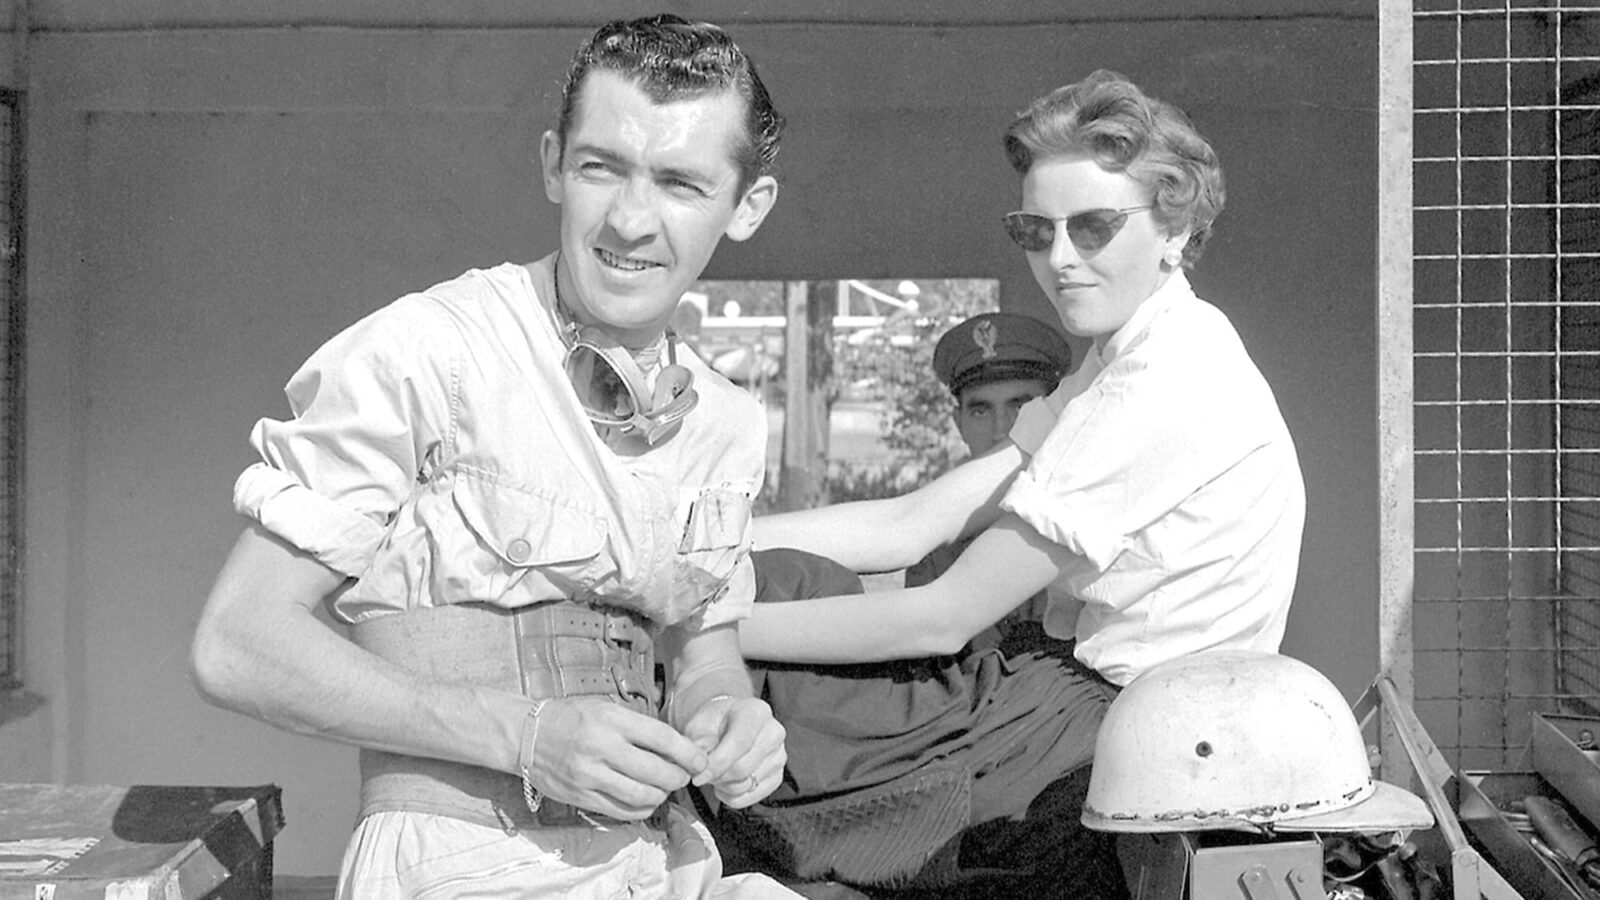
{"x":527,"y":529}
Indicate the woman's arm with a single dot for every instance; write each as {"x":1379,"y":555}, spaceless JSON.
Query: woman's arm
{"x":895,"y":532}
{"x":1004,"y":567}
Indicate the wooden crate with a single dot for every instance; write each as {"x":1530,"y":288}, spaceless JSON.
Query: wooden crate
{"x":145,"y":842}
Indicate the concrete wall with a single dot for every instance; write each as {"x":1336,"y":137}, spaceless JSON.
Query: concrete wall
{"x":210,"y":201}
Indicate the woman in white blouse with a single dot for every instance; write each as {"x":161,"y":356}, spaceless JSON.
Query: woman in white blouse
{"x":1156,"y":492}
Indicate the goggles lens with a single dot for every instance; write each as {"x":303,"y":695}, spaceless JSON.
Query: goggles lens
{"x":1089,"y":230}
{"x":614,"y":392}
{"x":604,"y":392}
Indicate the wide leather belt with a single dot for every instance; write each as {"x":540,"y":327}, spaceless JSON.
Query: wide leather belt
{"x":558,"y":649}
{"x":562,"y":648}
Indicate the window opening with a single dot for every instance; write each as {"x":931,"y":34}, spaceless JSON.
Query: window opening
{"x":889,"y":423}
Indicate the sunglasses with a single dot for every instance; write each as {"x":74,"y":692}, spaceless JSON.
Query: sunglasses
{"x":1089,"y":230}
{"x":614,"y":391}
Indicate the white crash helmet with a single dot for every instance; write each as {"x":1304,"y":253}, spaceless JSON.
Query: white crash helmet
{"x":1243,"y":740}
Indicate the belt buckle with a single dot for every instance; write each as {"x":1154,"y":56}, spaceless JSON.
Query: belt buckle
{"x":555,"y":814}
{"x":658,"y":817}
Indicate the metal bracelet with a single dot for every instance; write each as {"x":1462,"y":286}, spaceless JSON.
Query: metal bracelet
{"x":530,"y":734}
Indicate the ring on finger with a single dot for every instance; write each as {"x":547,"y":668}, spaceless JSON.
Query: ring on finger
{"x":751,"y":783}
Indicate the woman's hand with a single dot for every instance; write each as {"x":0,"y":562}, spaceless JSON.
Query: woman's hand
{"x":894,"y":532}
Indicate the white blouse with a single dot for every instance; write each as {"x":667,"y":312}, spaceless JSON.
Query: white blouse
{"x":1164,"y":463}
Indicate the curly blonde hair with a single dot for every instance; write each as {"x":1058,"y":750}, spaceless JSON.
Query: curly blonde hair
{"x":1108,"y":119}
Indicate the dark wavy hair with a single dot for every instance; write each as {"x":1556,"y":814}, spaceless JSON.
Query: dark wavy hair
{"x":1108,"y":119}
{"x":671,"y":58}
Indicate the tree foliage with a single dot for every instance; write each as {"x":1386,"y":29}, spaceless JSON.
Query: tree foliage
{"x":894,"y":364}
{"x":890,"y":365}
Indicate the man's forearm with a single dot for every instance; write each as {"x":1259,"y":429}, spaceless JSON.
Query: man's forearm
{"x":259,"y":650}
{"x":703,"y":667}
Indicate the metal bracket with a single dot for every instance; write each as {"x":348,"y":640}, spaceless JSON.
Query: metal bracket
{"x":1305,"y":883}
{"x":1471,"y":875}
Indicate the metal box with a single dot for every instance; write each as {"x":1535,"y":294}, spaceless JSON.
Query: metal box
{"x":1560,"y":764}
{"x":1563,"y":749}
{"x":1485,"y":801}
{"x":1220,"y":865}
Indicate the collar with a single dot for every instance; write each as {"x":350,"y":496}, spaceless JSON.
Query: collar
{"x":1173,"y":291}
{"x":648,"y":358}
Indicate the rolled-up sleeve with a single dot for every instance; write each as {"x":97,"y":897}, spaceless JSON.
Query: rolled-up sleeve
{"x":369,"y":410}
{"x":733,"y":603}
{"x":1124,"y":453}
{"x":735,"y":597}
{"x":341,"y":538}
{"x":1035,"y":420}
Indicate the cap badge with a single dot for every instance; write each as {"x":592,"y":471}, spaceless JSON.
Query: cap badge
{"x":984,"y":336}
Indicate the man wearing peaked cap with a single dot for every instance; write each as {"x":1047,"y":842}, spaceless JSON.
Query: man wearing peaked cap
{"x":869,"y":798}
{"x":994,"y":364}
{"x":999,"y":346}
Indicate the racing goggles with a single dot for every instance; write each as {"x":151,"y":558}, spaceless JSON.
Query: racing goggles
{"x":1089,"y":230}
{"x":614,"y":391}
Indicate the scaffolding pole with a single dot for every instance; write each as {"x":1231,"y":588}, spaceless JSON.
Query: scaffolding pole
{"x":1396,"y":513}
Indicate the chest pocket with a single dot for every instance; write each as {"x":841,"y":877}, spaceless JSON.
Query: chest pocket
{"x":715,"y":532}
{"x":508,"y":532}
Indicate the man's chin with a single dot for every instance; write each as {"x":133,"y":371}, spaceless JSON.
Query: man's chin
{"x":617,"y":317}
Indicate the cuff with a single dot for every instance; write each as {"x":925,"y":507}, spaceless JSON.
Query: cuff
{"x":733,"y":602}
{"x":339,"y":538}
{"x":1034,"y":422}
{"x":1032,"y":503}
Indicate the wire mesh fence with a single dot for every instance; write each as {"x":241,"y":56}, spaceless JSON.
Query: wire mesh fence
{"x":1506,"y":375}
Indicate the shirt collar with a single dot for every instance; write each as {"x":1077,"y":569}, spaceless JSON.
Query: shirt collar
{"x":1175,"y":290}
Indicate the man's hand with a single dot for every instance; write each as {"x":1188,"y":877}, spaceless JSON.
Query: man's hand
{"x":608,"y":759}
{"x":744,"y":748}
